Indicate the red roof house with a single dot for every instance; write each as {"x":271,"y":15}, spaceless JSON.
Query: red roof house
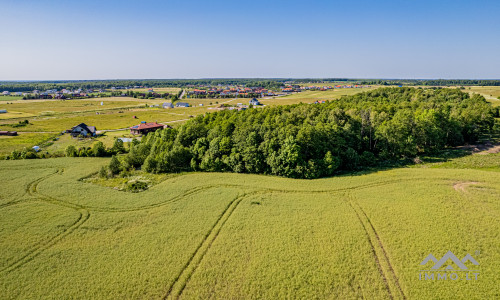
{"x":144,"y":128}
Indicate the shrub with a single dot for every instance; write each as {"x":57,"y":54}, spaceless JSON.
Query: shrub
{"x":71,"y":151}
{"x":98,"y":149}
{"x":137,"y":186}
{"x":103,"y":172}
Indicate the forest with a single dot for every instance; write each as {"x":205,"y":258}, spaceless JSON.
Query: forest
{"x":317,"y":140}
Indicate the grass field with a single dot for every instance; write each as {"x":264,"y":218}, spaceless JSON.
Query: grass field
{"x":25,"y":140}
{"x":231,"y":236}
{"x":491,"y":93}
{"x":311,"y":96}
{"x":10,"y":98}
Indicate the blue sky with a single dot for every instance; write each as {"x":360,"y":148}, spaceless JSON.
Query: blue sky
{"x":49,"y":40}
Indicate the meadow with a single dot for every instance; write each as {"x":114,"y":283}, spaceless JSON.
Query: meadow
{"x":312,"y":96}
{"x":233,"y":236}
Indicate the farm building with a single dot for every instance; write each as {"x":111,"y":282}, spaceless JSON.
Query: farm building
{"x":82,"y":129}
{"x":168,"y":105}
{"x":254,"y":102}
{"x":11,"y":133}
{"x":3,"y":111}
{"x":145,"y":128}
{"x":181,"y":104}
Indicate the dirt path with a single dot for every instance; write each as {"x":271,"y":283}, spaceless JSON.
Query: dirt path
{"x":182,"y":279}
{"x":382,"y":260}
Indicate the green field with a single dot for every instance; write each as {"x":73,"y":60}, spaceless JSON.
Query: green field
{"x":229,"y":236}
{"x":25,"y":140}
{"x":311,"y":96}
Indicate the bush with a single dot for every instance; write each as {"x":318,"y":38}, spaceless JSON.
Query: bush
{"x":137,"y":186}
{"x":98,"y":149}
{"x":71,"y":151}
{"x":103,"y":172}
{"x":114,"y":165}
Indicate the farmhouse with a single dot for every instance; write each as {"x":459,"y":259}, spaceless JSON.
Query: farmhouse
{"x":168,"y":105}
{"x":145,"y":128}
{"x":83,"y":130}
{"x":254,"y":102}
{"x":181,"y":104}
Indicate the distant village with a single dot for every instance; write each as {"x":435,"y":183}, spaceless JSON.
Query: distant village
{"x":191,"y":92}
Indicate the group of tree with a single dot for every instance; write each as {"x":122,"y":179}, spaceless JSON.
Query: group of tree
{"x":317,"y":140}
{"x":97,"y":150}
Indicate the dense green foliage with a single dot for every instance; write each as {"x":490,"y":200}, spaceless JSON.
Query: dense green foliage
{"x":311,"y":141}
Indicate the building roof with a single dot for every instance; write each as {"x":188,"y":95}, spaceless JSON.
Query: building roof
{"x":90,"y":129}
{"x":143,"y":126}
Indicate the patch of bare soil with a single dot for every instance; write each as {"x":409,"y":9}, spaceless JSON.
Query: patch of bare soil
{"x":482,"y":149}
{"x":460,"y":186}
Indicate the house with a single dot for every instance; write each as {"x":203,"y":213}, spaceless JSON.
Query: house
{"x":181,"y":104}
{"x":254,"y":102}
{"x":168,"y":105}
{"x":82,"y":130}
{"x":145,"y":128}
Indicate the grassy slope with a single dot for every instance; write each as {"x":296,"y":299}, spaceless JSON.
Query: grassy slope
{"x":244,"y":236}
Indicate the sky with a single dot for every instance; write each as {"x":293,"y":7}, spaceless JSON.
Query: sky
{"x":151,"y":39}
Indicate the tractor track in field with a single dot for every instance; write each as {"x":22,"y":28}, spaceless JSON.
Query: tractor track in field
{"x":84,"y":215}
{"x":181,"y":280}
{"x":371,"y":231}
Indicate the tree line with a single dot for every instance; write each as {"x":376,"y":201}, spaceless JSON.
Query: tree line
{"x":317,"y":140}
{"x":269,"y":83}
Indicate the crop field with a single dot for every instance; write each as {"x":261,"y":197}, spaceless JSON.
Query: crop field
{"x":230,"y":236}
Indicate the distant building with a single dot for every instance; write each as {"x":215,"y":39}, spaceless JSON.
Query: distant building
{"x":145,"y":128}
{"x":254,"y":102}
{"x":168,"y":105}
{"x":5,"y":93}
{"x":3,"y":111}
{"x":181,"y":104}
{"x":83,"y":130}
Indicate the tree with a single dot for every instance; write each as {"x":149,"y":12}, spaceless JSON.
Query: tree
{"x":103,"y":172}
{"x":114,"y":165}
{"x":71,"y":151}
{"x":118,"y":147}
{"x":98,"y":149}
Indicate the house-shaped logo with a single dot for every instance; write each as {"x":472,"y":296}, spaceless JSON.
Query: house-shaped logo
{"x":459,"y":265}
